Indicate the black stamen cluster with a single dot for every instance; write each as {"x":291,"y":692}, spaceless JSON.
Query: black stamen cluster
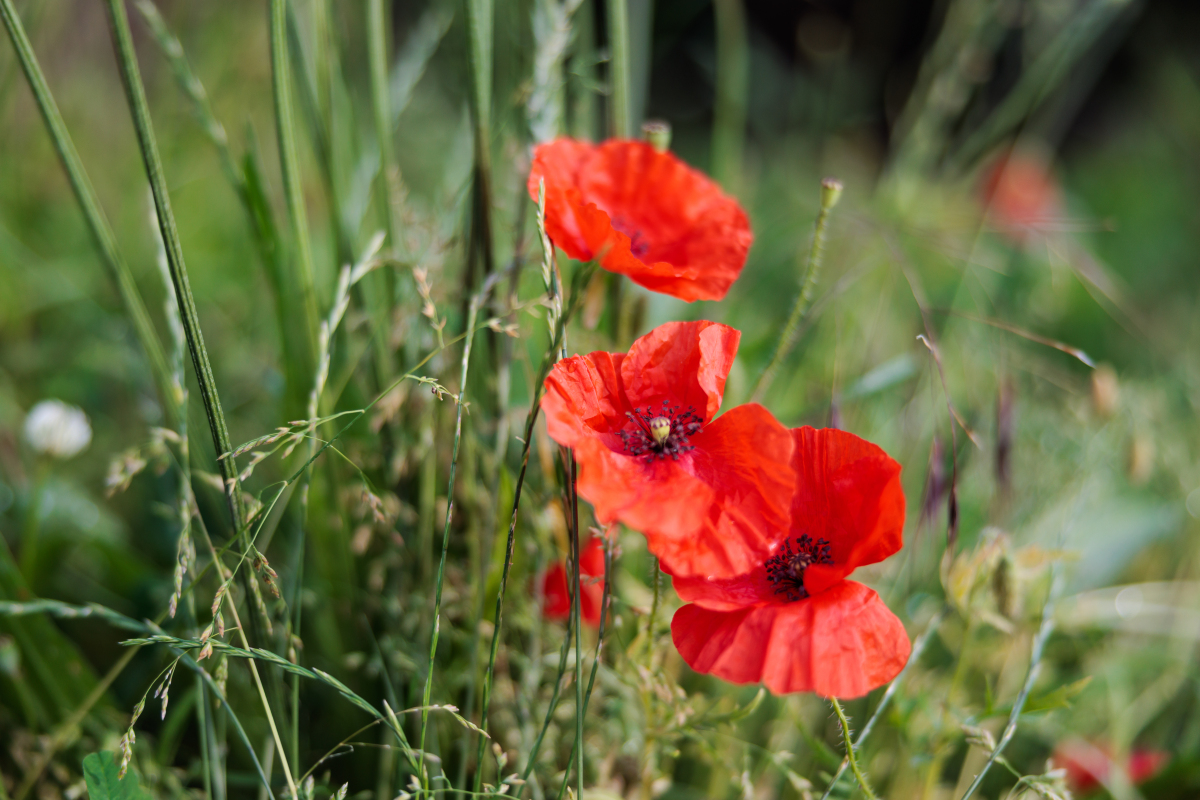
{"x":640,"y":441}
{"x":786,"y":568}
{"x":638,"y":244}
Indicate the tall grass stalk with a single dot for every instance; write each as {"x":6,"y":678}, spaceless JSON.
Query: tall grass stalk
{"x":480,"y":48}
{"x":733,"y":86}
{"x":472,"y":314}
{"x":97,"y":223}
{"x":620,"y":105}
{"x":135,"y":93}
{"x":290,"y":168}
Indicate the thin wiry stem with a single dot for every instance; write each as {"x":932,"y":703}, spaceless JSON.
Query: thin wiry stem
{"x":831,"y":192}
{"x":576,"y":605}
{"x":480,"y":15}
{"x":97,"y":223}
{"x":551,"y":357}
{"x":587,"y":697}
{"x":1035,"y":667}
{"x":850,"y":757}
{"x":917,"y":648}
{"x":290,"y":167}
{"x":472,"y":313}
{"x":620,"y":114}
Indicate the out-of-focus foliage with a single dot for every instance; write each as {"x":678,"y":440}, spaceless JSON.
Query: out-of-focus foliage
{"x":1007,"y":304}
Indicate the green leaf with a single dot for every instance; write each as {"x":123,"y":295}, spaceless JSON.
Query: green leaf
{"x":100,"y":772}
{"x":1059,"y":698}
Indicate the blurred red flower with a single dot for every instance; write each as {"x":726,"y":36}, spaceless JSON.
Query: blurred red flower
{"x":651,"y":455}
{"x":556,"y":591}
{"x":790,"y":620}
{"x":1021,"y":193}
{"x":646,"y":213}
{"x":1088,"y":765}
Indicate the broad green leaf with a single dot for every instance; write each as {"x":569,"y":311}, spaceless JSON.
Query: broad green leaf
{"x":100,"y":772}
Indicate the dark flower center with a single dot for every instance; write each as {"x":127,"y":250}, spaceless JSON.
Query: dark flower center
{"x":786,"y":568}
{"x":638,"y":244}
{"x":661,"y":432}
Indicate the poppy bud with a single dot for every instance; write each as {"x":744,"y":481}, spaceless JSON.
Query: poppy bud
{"x":831,"y":192}
{"x":658,"y":133}
{"x":660,"y":429}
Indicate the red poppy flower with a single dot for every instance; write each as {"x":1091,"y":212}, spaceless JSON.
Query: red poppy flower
{"x":556,"y":595}
{"x":651,"y":454}
{"x":646,"y":213}
{"x":1088,"y":765}
{"x":1021,"y":194}
{"x":791,"y":620}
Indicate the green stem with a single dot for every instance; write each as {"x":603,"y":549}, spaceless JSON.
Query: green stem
{"x":858,"y":775}
{"x":472,"y":313}
{"x":576,"y":604}
{"x":733,"y":81}
{"x":381,"y":105}
{"x":98,"y":225}
{"x":289,"y":166}
{"x":652,"y":620}
{"x":620,"y":112}
{"x":587,"y":697}
{"x":917,"y":648}
{"x":831,"y":192}
{"x":480,"y":15}
{"x":136,"y":95}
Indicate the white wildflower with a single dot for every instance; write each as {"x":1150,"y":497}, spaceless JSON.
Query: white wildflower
{"x":57,"y":429}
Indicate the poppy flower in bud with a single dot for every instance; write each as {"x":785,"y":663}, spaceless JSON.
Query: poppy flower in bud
{"x":1089,"y":765}
{"x":652,"y":455}
{"x":556,"y":594}
{"x":1021,"y":194}
{"x":644,"y":213}
{"x":790,"y":619}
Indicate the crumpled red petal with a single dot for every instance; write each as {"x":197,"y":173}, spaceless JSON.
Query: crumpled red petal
{"x":843,"y":642}
{"x":692,"y":239}
{"x":685,"y":363}
{"x":847,"y":491}
{"x":556,"y":602}
{"x":584,"y":398}
{"x":746,"y":456}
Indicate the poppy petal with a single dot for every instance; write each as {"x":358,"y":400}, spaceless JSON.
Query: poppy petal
{"x":643,"y":494}
{"x":647,"y":214}
{"x":848,"y":492}
{"x":591,"y":562}
{"x":556,"y":598}
{"x":745,"y":454}
{"x":558,"y":163}
{"x":843,"y":642}
{"x":683,"y":363}
{"x":726,"y":593}
{"x":684,"y":221}
{"x":584,"y":398}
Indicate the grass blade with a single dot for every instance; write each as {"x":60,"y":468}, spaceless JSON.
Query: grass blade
{"x":97,"y":223}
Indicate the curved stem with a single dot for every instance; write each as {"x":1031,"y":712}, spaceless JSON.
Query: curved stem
{"x":858,"y":775}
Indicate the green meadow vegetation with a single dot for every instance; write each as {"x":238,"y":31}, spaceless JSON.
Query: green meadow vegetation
{"x":285,"y":532}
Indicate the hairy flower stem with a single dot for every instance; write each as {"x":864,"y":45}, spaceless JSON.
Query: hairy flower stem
{"x":576,"y":603}
{"x":917,"y":648}
{"x":850,"y":757}
{"x":831,"y":192}
{"x":97,"y":223}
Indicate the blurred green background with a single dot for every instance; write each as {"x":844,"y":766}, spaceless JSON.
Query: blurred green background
{"x":913,"y":105}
